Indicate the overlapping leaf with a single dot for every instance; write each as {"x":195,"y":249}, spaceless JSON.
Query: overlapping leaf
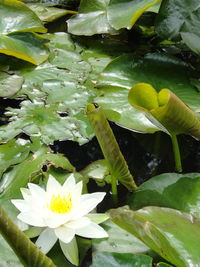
{"x":176,"y":22}
{"x":172,"y":234}
{"x":161,"y":71}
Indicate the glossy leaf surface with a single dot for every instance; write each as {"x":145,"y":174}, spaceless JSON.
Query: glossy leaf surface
{"x":172,"y":190}
{"x":118,"y":241}
{"x":24,"y":45}
{"x":10,"y":84}
{"x":124,"y":13}
{"x":91,"y":19}
{"x":16,"y":16}
{"x":172,"y":234}
{"x":107,"y":259}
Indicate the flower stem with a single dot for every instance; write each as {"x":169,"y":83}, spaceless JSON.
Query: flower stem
{"x":177,"y":155}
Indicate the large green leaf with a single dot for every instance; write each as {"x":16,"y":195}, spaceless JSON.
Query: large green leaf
{"x":49,"y":14}
{"x":24,"y":45}
{"x":172,"y":190}
{"x":9,"y":84}
{"x":91,"y":19}
{"x":16,"y":16}
{"x":118,"y":241}
{"x":180,"y":19}
{"x":106,"y":259}
{"x":7,"y":255}
{"x":13,"y":152}
{"x":172,"y":234}
{"x":161,"y":71}
{"x":124,"y":13}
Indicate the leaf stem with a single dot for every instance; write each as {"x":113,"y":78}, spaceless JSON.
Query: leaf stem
{"x":177,"y":155}
{"x":114,"y":190}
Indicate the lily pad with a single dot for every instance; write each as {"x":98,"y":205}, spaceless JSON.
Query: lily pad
{"x":175,"y":22}
{"x":172,"y":190}
{"x":171,"y":233}
{"x":16,"y":16}
{"x":13,"y":152}
{"x":124,"y":13}
{"x":9,"y":84}
{"x":48,"y":14}
{"x":118,"y":241}
{"x":125,"y":71}
{"x":24,"y":45}
{"x":91,"y":19}
{"x":7,"y":255}
{"x":107,"y":259}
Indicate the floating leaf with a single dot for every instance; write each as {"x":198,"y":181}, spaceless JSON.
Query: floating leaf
{"x":172,"y":234}
{"x":49,"y":14}
{"x":16,"y":16}
{"x":107,"y":259}
{"x":91,"y":19}
{"x":96,"y":170}
{"x":124,"y":13}
{"x":172,"y":190}
{"x":122,"y":73}
{"x":118,"y":241}
{"x":9,"y":84}
{"x":24,"y":45}
{"x":13,"y":152}
{"x":174,"y":22}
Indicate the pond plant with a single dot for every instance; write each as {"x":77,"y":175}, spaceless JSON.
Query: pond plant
{"x":100,"y":130}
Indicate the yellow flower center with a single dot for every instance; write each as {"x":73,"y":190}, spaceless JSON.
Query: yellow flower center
{"x":61,"y":204}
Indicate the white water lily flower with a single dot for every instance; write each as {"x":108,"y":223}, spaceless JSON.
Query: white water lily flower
{"x":63,"y":212}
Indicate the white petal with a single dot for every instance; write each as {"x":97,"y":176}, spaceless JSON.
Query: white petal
{"x":70,"y":182}
{"x":98,"y":217}
{"x":80,"y":223}
{"x":65,"y":234}
{"x":54,"y":220}
{"x":53,"y":185}
{"x":21,"y":204}
{"x":93,"y":230}
{"x":25,"y":193}
{"x":87,"y":203}
{"x":31,"y":218}
{"x":76,"y":191}
{"x":46,"y":240}
{"x":37,"y":192}
{"x":70,"y":251}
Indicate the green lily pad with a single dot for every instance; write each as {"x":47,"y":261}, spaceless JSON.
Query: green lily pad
{"x":9,"y":84}
{"x":13,"y":152}
{"x":125,"y":71}
{"x":91,"y":19}
{"x":171,"y":233}
{"x":48,"y":14}
{"x":176,"y":22}
{"x":118,"y":241}
{"x":7,"y":255}
{"x":172,"y":190}
{"x":124,"y":13}
{"x":16,"y":16}
{"x":107,"y":259}
{"x":24,"y":45}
